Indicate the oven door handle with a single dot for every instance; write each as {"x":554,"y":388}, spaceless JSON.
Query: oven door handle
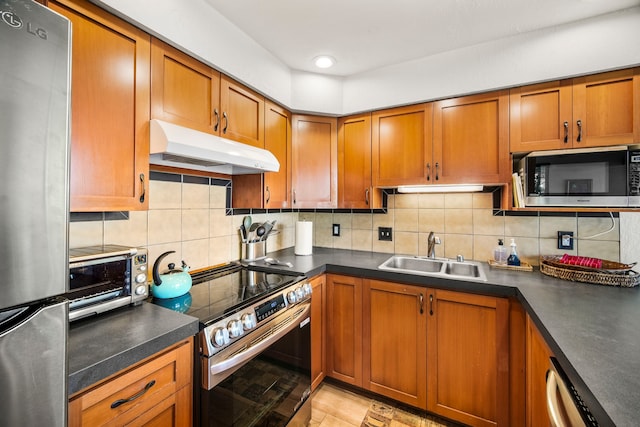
{"x":240,"y":358}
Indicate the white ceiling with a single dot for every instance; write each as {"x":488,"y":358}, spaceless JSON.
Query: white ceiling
{"x":368,"y":34}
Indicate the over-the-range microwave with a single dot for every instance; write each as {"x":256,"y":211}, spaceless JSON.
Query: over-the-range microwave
{"x":595,"y":177}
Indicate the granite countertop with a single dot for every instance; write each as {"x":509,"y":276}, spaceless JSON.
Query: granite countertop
{"x":592,"y":329}
{"x":102,"y":345}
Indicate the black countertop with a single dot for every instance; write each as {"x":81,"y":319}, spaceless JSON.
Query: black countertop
{"x":102,"y":345}
{"x":593,"y":330}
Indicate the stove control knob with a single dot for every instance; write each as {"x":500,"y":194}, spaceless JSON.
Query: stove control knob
{"x":299,"y":293}
{"x":219,"y":337}
{"x":235,"y":328}
{"x":248,"y":321}
{"x":307,"y":289}
{"x":292,"y":297}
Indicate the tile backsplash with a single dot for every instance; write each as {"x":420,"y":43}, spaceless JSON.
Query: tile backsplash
{"x":466,"y":226}
{"x":190,"y":217}
{"x":187,"y":217}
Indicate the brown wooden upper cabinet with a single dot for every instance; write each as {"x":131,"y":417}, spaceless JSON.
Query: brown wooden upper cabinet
{"x":187,"y":92}
{"x":471,"y":140}
{"x":596,"y":110}
{"x":314,"y":162}
{"x":355,"y":189}
{"x":401,"y":146}
{"x":271,"y":190}
{"x":110,"y":110}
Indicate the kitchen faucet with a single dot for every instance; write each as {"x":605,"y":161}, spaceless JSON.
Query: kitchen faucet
{"x":432,"y":241}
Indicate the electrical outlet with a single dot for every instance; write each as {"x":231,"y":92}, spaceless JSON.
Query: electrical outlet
{"x":565,"y":239}
{"x":384,"y":233}
{"x":336,"y":229}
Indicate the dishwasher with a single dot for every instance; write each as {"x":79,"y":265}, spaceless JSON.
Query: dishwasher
{"x":564,"y":405}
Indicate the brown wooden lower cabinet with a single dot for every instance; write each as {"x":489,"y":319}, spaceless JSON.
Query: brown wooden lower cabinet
{"x":468,"y":358}
{"x":395,"y":341}
{"x":443,"y":351}
{"x":344,"y":328}
{"x":318,"y":330}
{"x":538,"y":354}
{"x":155,"y":392}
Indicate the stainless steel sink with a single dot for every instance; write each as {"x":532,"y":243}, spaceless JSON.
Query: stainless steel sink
{"x":437,"y":267}
{"x":466,"y":269}
{"x":426,"y":265}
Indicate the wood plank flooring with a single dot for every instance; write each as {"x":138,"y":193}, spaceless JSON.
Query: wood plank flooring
{"x":332,"y":406}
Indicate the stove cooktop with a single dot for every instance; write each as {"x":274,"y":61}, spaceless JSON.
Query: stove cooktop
{"x":220,"y":292}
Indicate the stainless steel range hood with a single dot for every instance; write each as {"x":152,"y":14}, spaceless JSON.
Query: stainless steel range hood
{"x":177,"y":146}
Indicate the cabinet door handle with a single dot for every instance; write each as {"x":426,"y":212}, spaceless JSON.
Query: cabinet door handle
{"x":217,"y":116}
{"x":437,"y":166}
{"x":366,"y":196}
{"x":146,"y":388}
{"x":431,"y":305}
{"x":421,"y":300}
{"x":566,"y":132}
{"x":144,"y":191}
{"x":268,"y":194}
{"x":579,"y":123}
{"x":428,"y":171}
{"x":294,"y":197}
{"x":226,"y":122}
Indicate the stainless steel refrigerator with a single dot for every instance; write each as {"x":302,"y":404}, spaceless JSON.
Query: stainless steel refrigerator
{"x":34,"y":206}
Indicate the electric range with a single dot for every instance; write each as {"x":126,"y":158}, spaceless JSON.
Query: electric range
{"x":254,"y":346}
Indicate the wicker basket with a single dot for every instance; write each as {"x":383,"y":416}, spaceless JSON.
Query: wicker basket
{"x":627,"y":279}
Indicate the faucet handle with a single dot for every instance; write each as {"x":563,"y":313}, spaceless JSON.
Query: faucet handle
{"x":460,"y":258}
{"x":436,"y":240}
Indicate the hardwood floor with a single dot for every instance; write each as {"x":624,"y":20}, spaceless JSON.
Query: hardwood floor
{"x":332,"y":406}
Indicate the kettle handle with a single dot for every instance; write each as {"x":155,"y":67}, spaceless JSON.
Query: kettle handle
{"x":156,"y":276}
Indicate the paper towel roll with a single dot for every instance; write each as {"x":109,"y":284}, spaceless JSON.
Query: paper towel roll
{"x":304,"y":238}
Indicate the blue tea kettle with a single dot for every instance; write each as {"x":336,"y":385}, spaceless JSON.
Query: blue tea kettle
{"x":171,"y":283}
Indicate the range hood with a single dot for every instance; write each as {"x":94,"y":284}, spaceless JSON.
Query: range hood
{"x":177,"y":146}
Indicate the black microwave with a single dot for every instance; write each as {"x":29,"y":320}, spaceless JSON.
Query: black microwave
{"x":596,"y":177}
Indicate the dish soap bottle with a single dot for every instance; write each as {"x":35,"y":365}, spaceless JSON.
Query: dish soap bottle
{"x":513,"y":258}
{"x":500,"y":253}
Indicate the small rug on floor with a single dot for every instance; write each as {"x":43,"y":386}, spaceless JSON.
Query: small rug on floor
{"x":382,"y":415}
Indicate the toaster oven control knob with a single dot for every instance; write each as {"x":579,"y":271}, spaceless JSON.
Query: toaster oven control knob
{"x":141,"y":290}
{"x":248,"y":321}
{"x":141,"y":278}
{"x":235,"y":328}
{"x":292,"y":297}
{"x":219,"y":337}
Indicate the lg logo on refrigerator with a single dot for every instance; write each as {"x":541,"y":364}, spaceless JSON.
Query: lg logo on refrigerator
{"x":14,"y":21}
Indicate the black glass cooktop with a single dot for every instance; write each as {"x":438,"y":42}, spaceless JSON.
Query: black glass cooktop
{"x":221,"y":291}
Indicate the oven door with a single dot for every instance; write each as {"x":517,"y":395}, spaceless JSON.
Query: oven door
{"x":264,"y":379}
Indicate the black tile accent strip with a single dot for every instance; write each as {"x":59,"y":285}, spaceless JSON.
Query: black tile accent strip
{"x":98,"y":216}
{"x":192,"y":179}
{"x":165,"y":176}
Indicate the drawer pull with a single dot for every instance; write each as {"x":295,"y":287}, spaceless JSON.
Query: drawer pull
{"x":119,"y":402}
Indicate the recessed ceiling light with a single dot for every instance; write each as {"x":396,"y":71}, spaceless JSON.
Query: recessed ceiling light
{"x":324,"y":61}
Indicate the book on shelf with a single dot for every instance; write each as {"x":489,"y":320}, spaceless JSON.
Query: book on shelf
{"x":518,"y":192}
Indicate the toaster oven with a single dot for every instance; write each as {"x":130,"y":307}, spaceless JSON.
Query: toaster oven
{"x":102,"y":278}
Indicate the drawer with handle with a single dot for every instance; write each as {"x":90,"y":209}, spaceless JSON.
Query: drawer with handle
{"x":136,"y":391}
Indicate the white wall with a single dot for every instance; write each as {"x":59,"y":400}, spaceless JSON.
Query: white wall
{"x":629,"y":237}
{"x":601,"y":43}
{"x":198,"y":29}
